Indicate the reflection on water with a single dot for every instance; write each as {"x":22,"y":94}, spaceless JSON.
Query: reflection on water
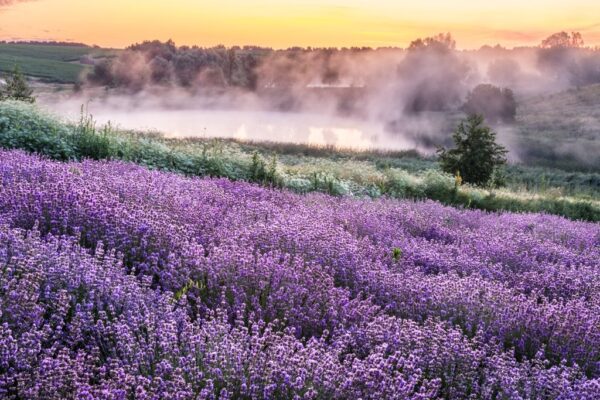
{"x":314,"y":129}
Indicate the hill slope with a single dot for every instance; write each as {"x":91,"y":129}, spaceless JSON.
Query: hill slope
{"x":121,"y":282}
{"x":373,"y":174}
{"x":53,"y":63}
{"x":561,"y":129}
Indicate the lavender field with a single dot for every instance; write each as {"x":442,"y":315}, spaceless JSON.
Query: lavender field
{"x":117,"y":282}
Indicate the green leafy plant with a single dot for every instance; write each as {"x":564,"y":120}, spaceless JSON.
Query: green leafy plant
{"x":90,"y":141}
{"x":476,"y":154}
{"x":396,"y":254}
{"x":17,"y":88}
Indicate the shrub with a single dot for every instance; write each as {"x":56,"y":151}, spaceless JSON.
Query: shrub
{"x":476,"y":155}
{"x":400,"y":184}
{"x":260,"y":172}
{"x":439,"y":186}
{"x":493,"y":103}
{"x":90,"y":141}
{"x":16,"y":88}
{"x":24,"y":127}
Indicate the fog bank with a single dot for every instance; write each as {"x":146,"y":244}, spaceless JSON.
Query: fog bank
{"x":393,"y":99}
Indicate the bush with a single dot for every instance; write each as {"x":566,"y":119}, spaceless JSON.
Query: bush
{"x":24,"y":127}
{"x":16,"y":88}
{"x":91,"y":142}
{"x":439,"y":186}
{"x":493,"y":103}
{"x":476,"y":155}
{"x":401,"y":184}
{"x":260,"y":172}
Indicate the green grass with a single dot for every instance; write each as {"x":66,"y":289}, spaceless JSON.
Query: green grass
{"x":56,"y":53}
{"x":373,"y":164}
{"x":50,"y":70}
{"x":300,"y":168}
{"x":51,"y":63}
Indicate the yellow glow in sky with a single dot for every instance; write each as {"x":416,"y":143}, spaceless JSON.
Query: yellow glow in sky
{"x":283,"y":23}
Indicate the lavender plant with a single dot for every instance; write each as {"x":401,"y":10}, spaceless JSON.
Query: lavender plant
{"x":117,"y":282}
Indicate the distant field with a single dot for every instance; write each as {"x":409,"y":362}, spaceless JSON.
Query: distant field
{"x":561,"y":130}
{"x":51,"y":63}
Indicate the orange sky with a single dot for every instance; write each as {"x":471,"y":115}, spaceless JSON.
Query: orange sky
{"x":283,"y":23}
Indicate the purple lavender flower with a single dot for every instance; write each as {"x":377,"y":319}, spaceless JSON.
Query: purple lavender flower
{"x":117,"y":282}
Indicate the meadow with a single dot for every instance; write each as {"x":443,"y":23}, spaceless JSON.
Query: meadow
{"x":549,"y":117}
{"x":566,"y":139}
{"x":120,"y":282}
{"x":51,"y":63}
{"x":302,"y":168}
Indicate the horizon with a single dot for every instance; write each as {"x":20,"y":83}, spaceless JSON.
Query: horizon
{"x":29,"y":41}
{"x":267,"y":23}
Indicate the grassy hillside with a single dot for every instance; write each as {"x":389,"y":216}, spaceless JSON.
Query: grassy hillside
{"x":517,"y":177}
{"x":561,"y":129}
{"x":60,"y":64}
{"x":301,"y":168}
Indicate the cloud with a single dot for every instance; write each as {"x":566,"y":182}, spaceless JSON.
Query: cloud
{"x":4,"y":3}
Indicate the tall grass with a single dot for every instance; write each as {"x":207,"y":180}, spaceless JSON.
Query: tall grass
{"x":300,"y":168}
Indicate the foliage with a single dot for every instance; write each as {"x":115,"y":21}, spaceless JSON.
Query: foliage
{"x":570,"y":138}
{"x":563,"y":40}
{"x":428,"y":87}
{"x":24,"y":127}
{"x":260,"y":172}
{"x":495,"y":104}
{"x":441,"y":41}
{"x":165,"y":64}
{"x":16,"y":88}
{"x":397,"y":254}
{"x":89,"y":141}
{"x":476,"y":154}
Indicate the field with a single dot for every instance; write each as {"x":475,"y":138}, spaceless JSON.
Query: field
{"x":302,"y":168}
{"x":568,"y":138}
{"x":61,"y":64}
{"x":134,"y":266}
{"x":299,"y":200}
{"x":120,"y":282}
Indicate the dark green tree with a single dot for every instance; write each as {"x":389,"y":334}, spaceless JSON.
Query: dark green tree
{"x":494,"y":103}
{"x":16,"y":88}
{"x":476,"y":154}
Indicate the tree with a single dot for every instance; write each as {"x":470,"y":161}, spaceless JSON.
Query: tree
{"x":16,"y":88}
{"x":440,"y":41}
{"x":563,"y":40}
{"x":432,"y":75}
{"x":476,"y":154}
{"x":563,"y":56}
{"x":493,"y":103}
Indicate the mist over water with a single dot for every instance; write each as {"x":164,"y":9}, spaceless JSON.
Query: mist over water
{"x":202,"y":121}
{"x":182,"y":116}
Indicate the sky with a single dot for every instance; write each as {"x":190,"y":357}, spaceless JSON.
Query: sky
{"x":284,"y":23}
